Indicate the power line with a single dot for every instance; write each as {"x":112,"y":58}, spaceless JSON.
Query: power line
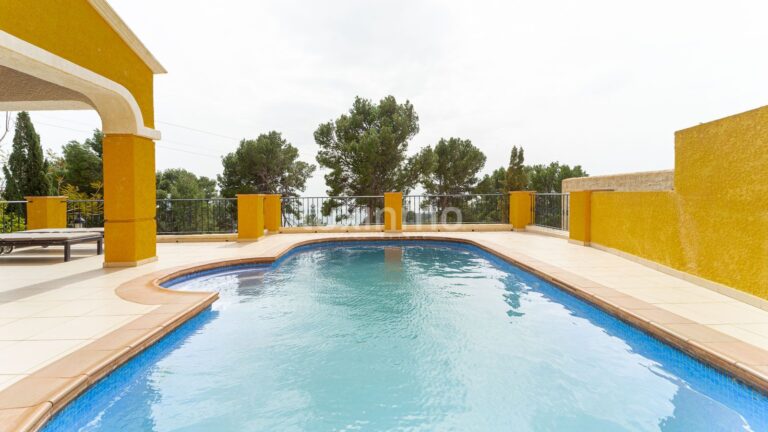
{"x":186,"y":151}
{"x":161,"y":122}
{"x":159,"y":144}
{"x":199,"y":130}
{"x":163,"y":140}
{"x":62,"y":127}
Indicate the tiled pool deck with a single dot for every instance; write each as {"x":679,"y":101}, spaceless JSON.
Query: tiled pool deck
{"x":65,"y":325}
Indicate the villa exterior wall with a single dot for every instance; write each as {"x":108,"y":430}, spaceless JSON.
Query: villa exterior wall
{"x":77,"y":32}
{"x":714,"y":225}
{"x":631,"y":182}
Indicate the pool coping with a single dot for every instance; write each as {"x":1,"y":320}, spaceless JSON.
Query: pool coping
{"x":28,"y":404}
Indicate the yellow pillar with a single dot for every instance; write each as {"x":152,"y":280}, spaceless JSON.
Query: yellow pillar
{"x":272,"y":212}
{"x":520,"y":209}
{"x":130,"y":230}
{"x":393,"y":212}
{"x":250,"y":216}
{"x":46,"y":212}
{"x":580,"y":217}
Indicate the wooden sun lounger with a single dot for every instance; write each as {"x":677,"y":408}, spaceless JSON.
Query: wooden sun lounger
{"x":66,"y":230}
{"x":66,"y":239}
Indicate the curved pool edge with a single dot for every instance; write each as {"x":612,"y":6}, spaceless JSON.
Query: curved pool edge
{"x":48,"y":390}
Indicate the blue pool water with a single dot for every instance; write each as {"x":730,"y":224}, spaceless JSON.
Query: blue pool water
{"x":406,"y":337}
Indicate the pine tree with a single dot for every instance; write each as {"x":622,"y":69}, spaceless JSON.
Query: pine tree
{"x":517,"y":179}
{"x":25,"y":171}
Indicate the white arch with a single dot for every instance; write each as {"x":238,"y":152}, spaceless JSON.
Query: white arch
{"x":118,"y":109}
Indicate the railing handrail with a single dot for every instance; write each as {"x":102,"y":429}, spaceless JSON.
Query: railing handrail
{"x":156,"y":199}
{"x":13,"y":202}
{"x":333,"y":197}
{"x":456,"y":195}
{"x":551,"y":210}
{"x":197,"y":199}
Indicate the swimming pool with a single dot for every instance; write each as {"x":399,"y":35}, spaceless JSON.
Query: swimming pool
{"x":406,"y":336}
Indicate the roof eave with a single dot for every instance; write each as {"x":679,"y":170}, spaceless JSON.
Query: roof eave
{"x":128,"y":36}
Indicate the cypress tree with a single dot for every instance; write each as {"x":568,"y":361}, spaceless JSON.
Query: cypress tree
{"x":517,"y":179}
{"x":25,"y":171}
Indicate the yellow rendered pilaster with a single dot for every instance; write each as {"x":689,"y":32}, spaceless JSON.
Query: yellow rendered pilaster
{"x":520,"y":209}
{"x":272,"y":212}
{"x":250,"y":216}
{"x":46,"y":212}
{"x":130,"y":230}
{"x":393,"y":212}
{"x":580,"y":217}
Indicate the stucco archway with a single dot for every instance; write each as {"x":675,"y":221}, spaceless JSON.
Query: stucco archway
{"x":81,"y":55}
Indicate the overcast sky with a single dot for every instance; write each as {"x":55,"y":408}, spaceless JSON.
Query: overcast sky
{"x":601,"y":83}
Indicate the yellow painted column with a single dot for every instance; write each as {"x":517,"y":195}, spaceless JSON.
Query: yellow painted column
{"x":520,"y":209}
{"x":250,"y":216}
{"x":46,"y":212}
{"x":393,"y":212}
{"x":130,"y":229}
{"x":272,"y":212}
{"x":580,"y":217}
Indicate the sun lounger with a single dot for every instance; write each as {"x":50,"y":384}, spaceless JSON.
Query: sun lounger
{"x":66,"y":230}
{"x":66,"y":239}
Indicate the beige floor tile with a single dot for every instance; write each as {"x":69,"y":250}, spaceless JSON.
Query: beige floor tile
{"x":760,"y":329}
{"x":84,"y":327}
{"x":69,"y":308}
{"x":4,"y":344}
{"x":8,"y":380}
{"x":25,"y":328}
{"x":719,"y":313}
{"x":24,"y":309}
{"x":671,"y":295}
{"x":26,"y":356}
{"x":121,"y":307}
{"x":64,"y":293}
{"x":103,"y":294}
{"x":743,"y":334}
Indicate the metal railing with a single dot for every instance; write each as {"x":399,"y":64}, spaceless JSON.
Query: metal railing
{"x":456,"y":209}
{"x":13,"y":216}
{"x":550,"y":210}
{"x":85,"y":213}
{"x":197,"y":216}
{"x":174,"y":216}
{"x":330,"y":211}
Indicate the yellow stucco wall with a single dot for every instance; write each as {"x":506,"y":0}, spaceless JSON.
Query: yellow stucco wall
{"x":272,"y":212}
{"x":580,"y":217}
{"x":715,"y":223}
{"x":520,"y":209}
{"x":72,"y":29}
{"x":250,"y":216}
{"x":46,"y":212}
{"x":393,"y":211}
{"x":129,"y":199}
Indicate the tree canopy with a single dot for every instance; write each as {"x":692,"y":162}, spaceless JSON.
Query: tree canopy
{"x":77,"y":172}
{"x":549,"y":178}
{"x":268,"y":164}
{"x":365,"y":149}
{"x":450,"y":168}
{"x":82,"y":167}
{"x":179,"y":183}
{"x":25,"y":171}
{"x":516,"y":178}
{"x":496,"y":182}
